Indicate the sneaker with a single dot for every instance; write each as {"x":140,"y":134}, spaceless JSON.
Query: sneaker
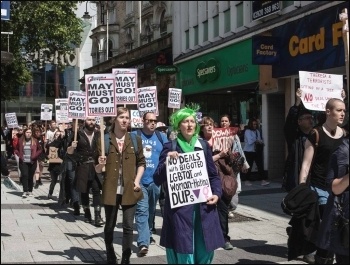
{"x":24,"y":195}
{"x":152,"y":241}
{"x":143,"y":250}
{"x":231,"y":215}
{"x":247,"y":183}
{"x":30,"y":194}
{"x":228,"y":246}
{"x":264,"y":183}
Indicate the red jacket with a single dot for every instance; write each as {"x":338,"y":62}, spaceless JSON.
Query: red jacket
{"x":35,"y":149}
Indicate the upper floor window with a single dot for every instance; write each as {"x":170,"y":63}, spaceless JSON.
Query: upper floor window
{"x":239,"y":18}
{"x":129,"y":7}
{"x":163,"y":24}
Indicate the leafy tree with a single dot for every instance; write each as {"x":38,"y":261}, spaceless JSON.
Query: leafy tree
{"x":36,"y":25}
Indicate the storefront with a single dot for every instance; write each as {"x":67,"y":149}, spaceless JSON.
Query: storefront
{"x":223,"y":82}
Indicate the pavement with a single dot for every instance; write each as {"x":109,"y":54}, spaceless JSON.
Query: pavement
{"x":38,"y":230}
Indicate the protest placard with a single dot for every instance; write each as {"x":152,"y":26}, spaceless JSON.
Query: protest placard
{"x":100,"y":95}
{"x":174,"y":98}
{"x":125,"y":85}
{"x":46,"y":112}
{"x":187,"y":178}
{"x":76,"y":104}
{"x":223,"y":138}
{"x":61,"y":110}
{"x":147,"y":100}
{"x":318,"y":88}
{"x":11,"y":120}
{"x":136,"y":119}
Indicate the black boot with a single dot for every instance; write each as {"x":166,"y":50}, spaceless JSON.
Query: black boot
{"x":76,"y":208}
{"x":320,"y":260}
{"x":98,"y":220}
{"x":87,"y":214}
{"x":126,"y":256}
{"x":111,"y":257}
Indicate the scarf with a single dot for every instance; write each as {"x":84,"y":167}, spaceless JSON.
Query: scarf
{"x":185,"y":146}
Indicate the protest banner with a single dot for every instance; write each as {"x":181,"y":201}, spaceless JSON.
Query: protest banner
{"x":46,"y":112}
{"x":187,"y":178}
{"x":125,"y":85}
{"x":61,"y":110}
{"x":100,"y":95}
{"x":174,"y":98}
{"x":11,"y":120}
{"x":318,"y":88}
{"x":223,"y":138}
{"x":147,"y":100}
{"x":76,"y":104}
{"x":136,"y":119}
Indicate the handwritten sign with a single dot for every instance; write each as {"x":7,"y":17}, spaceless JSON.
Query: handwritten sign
{"x":46,"y":112}
{"x":11,"y":120}
{"x":223,"y":138}
{"x":76,"y":104}
{"x":188,"y":181}
{"x":125,"y":85}
{"x":318,"y":88}
{"x":147,"y":100}
{"x":61,"y":110}
{"x":174,"y":98}
{"x":136,"y":119}
{"x":100,"y":95}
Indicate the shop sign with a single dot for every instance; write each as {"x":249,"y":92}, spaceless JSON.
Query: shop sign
{"x":261,"y":9}
{"x":265,"y":50}
{"x":207,"y":72}
{"x":165,"y":69}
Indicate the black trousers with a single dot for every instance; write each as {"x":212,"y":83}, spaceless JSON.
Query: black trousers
{"x":258,"y":159}
{"x":96,"y":194}
{"x":27,"y":174}
{"x":128,"y":222}
{"x":222,"y":206}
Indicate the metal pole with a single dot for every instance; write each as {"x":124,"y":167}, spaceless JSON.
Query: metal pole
{"x":140,"y":29}
{"x":107,"y":32}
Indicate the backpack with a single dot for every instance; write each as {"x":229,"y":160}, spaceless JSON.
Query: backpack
{"x":133,"y":140}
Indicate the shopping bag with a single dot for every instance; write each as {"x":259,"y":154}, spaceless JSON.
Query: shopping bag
{"x":10,"y":184}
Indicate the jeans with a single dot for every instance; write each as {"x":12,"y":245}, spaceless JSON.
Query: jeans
{"x":27,"y":175}
{"x":145,"y":212}
{"x":128,"y":223}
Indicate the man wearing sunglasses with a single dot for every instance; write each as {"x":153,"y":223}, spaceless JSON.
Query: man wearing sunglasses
{"x":152,"y":142}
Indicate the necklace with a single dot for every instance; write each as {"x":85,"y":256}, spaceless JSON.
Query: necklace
{"x":331,"y":131}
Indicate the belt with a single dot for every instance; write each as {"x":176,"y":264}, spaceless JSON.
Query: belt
{"x":90,"y":160}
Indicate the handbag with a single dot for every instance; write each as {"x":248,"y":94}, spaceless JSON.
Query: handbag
{"x":341,"y":223}
{"x":228,"y":178}
{"x":53,"y":156}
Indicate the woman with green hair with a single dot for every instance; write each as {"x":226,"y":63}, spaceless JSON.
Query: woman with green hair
{"x":190,"y":233}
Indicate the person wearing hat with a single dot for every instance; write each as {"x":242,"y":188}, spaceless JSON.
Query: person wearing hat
{"x":297,"y":127}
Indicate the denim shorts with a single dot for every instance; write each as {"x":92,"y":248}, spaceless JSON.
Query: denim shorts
{"x":322,"y":195}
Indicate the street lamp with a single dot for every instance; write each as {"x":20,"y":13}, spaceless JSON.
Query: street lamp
{"x":86,"y":13}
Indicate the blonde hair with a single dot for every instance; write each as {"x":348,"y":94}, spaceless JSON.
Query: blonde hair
{"x":120,"y":111}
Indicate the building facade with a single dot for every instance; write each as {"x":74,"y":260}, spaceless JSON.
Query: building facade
{"x":215,"y":49}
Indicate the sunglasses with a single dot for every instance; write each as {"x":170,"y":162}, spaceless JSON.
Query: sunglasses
{"x":150,"y":121}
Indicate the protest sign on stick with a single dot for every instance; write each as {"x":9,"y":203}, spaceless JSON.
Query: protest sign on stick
{"x":125,"y":85}
{"x":187,"y":178}
{"x":147,"y":100}
{"x":136,"y":119}
{"x":344,"y":18}
{"x":11,"y":120}
{"x":46,"y":112}
{"x":223,"y":138}
{"x":174,"y":98}
{"x":76,"y":104}
{"x":318,"y":88}
{"x":61,"y":110}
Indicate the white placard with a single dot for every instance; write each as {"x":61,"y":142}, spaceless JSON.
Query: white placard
{"x":125,"y":85}
{"x":11,"y":120}
{"x":100,"y":95}
{"x":136,"y":119}
{"x":174,"y":98}
{"x":76,"y":105}
{"x":147,"y":100}
{"x":46,"y":112}
{"x":187,"y":178}
{"x":318,"y":88}
{"x":61,"y":110}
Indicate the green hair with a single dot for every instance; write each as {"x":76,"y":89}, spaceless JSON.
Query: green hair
{"x":182,"y":114}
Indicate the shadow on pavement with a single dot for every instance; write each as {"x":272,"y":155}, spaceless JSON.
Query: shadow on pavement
{"x":86,"y":255}
{"x":260,"y":247}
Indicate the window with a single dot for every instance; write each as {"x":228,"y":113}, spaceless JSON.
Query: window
{"x":216,"y":26}
{"x":239,"y":21}
{"x":195,"y":35}
{"x":287,"y":3}
{"x":129,"y":7}
{"x":187,"y":36}
{"x":227,"y":19}
{"x":205,"y":31}
{"x":163,"y":24}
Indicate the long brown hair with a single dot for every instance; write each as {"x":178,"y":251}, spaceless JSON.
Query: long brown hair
{"x":120,"y":110}
{"x":33,"y":140}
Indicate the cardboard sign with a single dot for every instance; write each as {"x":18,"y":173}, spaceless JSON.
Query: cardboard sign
{"x":318,"y":88}
{"x":61,"y":110}
{"x":100,"y":95}
{"x":147,"y":100}
{"x":11,"y":120}
{"x":136,"y":119}
{"x":187,"y":178}
{"x":223,"y":138}
{"x":125,"y":85}
{"x":174,"y":98}
{"x":46,"y":112}
{"x":76,"y":104}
